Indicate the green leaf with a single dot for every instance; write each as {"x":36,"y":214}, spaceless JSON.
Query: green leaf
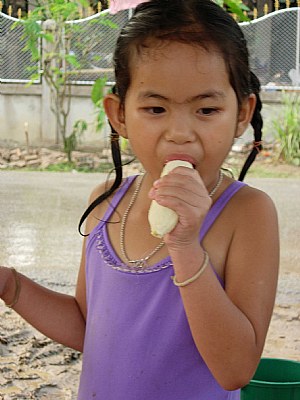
{"x":79,"y":127}
{"x":100,"y":119}
{"x":238,"y":8}
{"x":49,"y":37}
{"x":96,"y":58}
{"x":35,"y":77}
{"x":98,"y":90}
{"x":71,"y":59}
{"x":32,"y":69}
{"x":107,"y":22}
{"x":84,"y":3}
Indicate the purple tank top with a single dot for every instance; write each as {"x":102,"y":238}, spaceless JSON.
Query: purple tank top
{"x":138,"y":345}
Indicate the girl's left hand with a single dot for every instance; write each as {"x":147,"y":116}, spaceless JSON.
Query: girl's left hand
{"x":183,"y":191}
{"x":6,"y":281}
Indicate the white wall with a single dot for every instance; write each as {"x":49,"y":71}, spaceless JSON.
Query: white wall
{"x":19,"y":104}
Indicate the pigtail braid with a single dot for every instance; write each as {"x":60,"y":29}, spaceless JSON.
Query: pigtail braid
{"x":257,"y":124}
{"x":116,"y":155}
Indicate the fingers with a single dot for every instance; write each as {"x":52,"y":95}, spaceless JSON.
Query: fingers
{"x":183,"y":191}
{"x":182,"y":185}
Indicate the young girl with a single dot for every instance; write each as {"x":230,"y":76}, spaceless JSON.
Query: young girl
{"x":184,"y":317}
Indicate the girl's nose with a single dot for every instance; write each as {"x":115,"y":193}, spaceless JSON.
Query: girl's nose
{"x":180,"y":130}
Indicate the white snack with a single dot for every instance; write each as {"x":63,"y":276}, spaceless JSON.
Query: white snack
{"x":162,"y":219}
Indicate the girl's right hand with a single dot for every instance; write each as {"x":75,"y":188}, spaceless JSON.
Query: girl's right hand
{"x":54,"y":314}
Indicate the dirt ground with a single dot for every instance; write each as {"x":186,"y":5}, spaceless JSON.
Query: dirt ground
{"x":32,"y":366}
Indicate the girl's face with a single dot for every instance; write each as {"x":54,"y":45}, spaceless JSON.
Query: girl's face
{"x":180,"y":105}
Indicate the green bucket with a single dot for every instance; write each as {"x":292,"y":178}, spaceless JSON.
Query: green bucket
{"x":274,"y":379}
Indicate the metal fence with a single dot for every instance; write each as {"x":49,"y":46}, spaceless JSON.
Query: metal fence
{"x":92,"y":41}
{"x":273,"y":41}
{"x":274,"y":46}
{"x":15,"y":63}
{"x":93,"y":44}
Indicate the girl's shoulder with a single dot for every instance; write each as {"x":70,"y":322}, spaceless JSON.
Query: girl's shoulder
{"x":252,"y":198}
{"x":248,"y":206}
{"x":98,"y":212}
{"x":252,"y":206}
{"x":244,"y":197}
{"x":247,"y":223}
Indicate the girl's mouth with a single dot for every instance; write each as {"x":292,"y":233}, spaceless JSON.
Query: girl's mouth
{"x":182,"y":157}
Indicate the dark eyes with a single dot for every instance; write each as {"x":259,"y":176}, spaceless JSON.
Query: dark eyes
{"x":156,"y":110}
{"x":160,"y":110}
{"x":207,"y":111}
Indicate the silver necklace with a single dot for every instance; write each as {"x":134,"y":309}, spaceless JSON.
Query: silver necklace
{"x":142,"y":262}
{"x":217,"y":185}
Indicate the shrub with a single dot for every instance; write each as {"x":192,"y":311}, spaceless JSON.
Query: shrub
{"x":287,"y":127}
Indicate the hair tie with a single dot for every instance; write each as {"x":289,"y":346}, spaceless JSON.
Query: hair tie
{"x":114,"y":137}
{"x":257,"y":145}
{"x":114,"y":134}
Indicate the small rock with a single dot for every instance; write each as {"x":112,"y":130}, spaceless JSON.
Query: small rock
{"x":30,"y":157}
{"x":33,"y":163}
{"x":14,"y":157}
{"x":18,"y":164}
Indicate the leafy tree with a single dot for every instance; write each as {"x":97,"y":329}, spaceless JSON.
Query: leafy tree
{"x":235,"y":7}
{"x":49,"y":35}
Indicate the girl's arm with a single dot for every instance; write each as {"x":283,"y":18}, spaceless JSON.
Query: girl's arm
{"x":56,"y":315}
{"x":59,"y":316}
{"x":229,"y":326}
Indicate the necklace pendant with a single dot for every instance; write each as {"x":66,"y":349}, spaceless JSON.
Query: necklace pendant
{"x":139,"y":264}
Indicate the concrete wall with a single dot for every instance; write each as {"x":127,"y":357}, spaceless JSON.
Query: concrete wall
{"x":20,"y":104}
{"x":272,"y":105}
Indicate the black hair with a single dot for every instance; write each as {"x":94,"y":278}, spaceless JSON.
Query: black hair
{"x":198,"y":22}
{"x":257,"y":124}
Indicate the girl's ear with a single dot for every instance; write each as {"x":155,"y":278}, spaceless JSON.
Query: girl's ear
{"x":245,"y":114}
{"x":115,"y":113}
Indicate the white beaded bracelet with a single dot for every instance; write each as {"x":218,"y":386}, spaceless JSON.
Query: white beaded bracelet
{"x":196,"y":276}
